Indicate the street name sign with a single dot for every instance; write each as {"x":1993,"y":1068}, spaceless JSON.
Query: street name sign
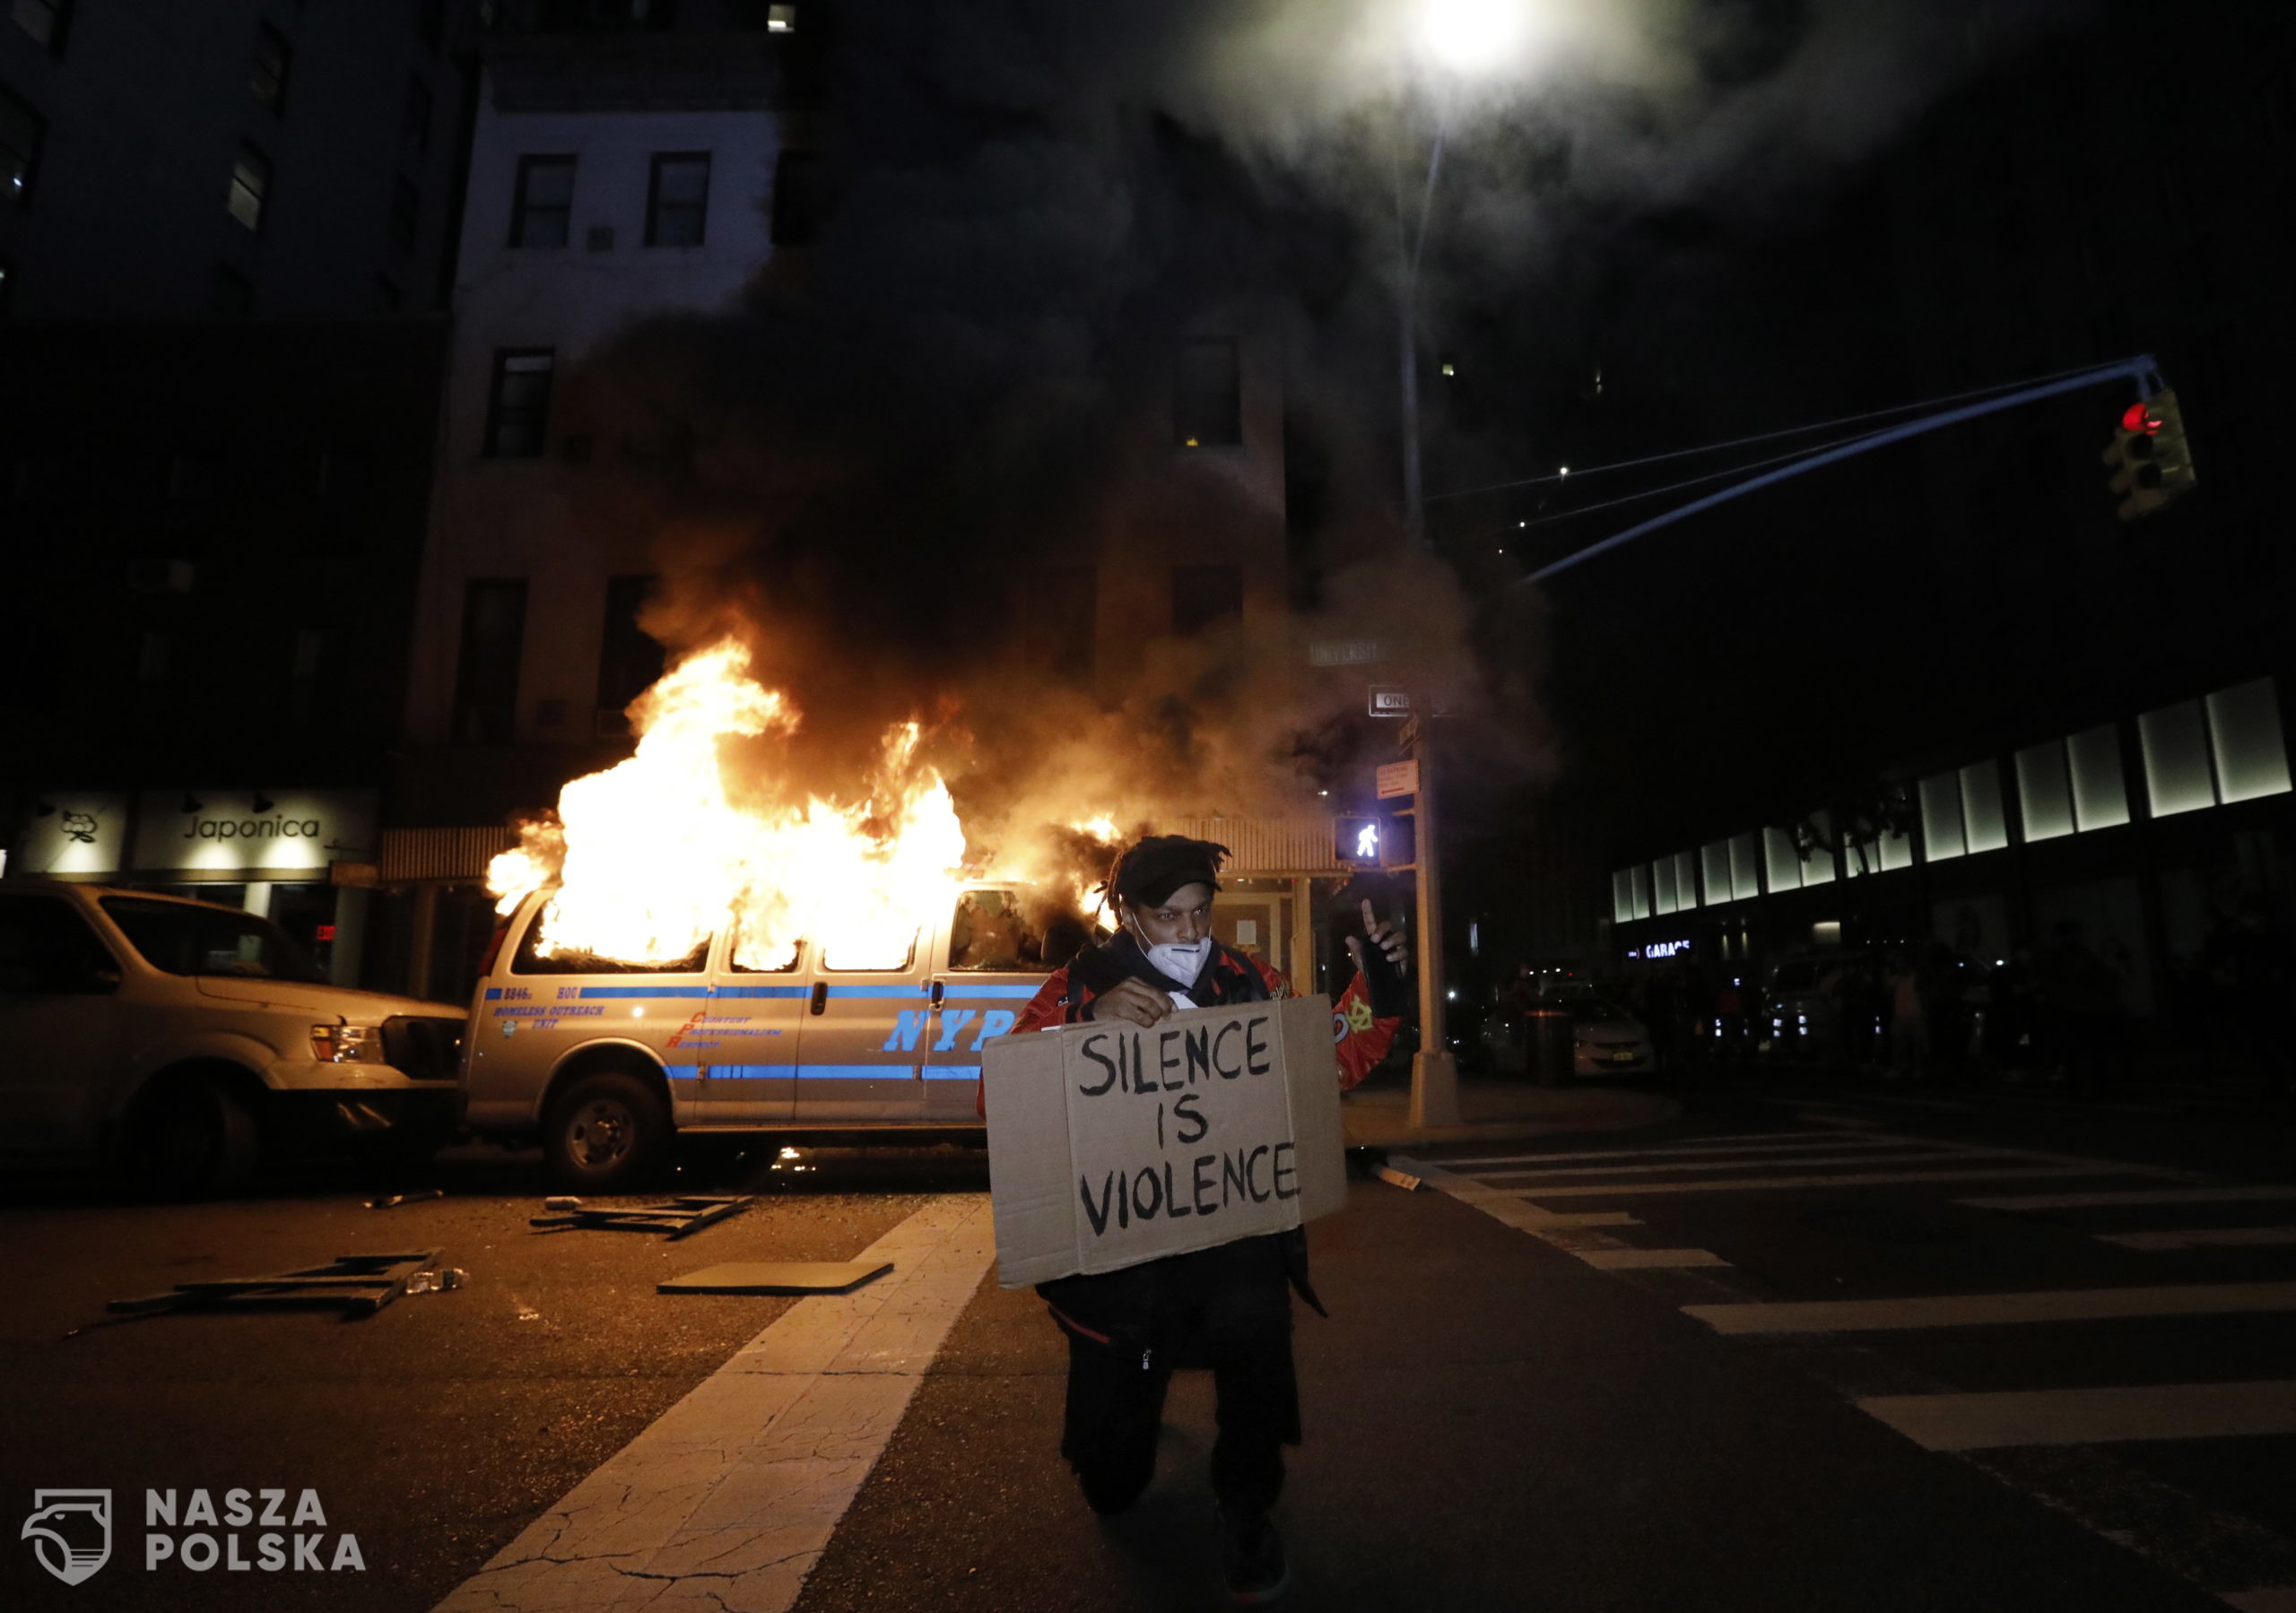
{"x":1397,"y":778}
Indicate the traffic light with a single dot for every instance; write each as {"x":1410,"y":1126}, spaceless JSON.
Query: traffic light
{"x":1355,"y":841}
{"x":2150,"y":459}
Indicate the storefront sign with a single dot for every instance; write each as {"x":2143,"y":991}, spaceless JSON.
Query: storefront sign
{"x":1111,"y":1144}
{"x":73,"y":831}
{"x":230,"y":831}
{"x":1658,"y":949}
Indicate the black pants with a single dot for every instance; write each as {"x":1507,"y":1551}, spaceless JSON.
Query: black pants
{"x":1232,"y":1315}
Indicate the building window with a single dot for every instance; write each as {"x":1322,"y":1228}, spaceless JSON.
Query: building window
{"x":486,"y":675}
{"x":2175,"y":743}
{"x":1940,"y":817}
{"x":1713,"y":861}
{"x":1205,"y":595}
{"x":800,"y":197}
{"x":677,"y":201}
{"x":630,"y":659}
{"x":517,"y":407}
{"x":2099,"y":791}
{"x":22,"y":131}
{"x":1207,"y":406}
{"x":2245,"y":736}
{"x":2044,"y":792}
{"x":414,"y":115}
{"x":406,"y":214}
{"x":1745,"y":865}
{"x":267,"y":74}
{"x":1781,"y":865}
{"x":543,"y":201}
{"x":232,"y":294}
{"x":1985,"y":821}
{"x":46,"y":20}
{"x":1062,"y":607}
{"x":250,"y":183}
{"x":1814,"y":849}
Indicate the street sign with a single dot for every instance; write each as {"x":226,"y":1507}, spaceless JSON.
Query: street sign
{"x":1390,"y":702}
{"x":1398,"y":778}
{"x":1347,"y":652}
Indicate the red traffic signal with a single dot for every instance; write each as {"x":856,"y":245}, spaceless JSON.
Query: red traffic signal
{"x":2141,"y":417}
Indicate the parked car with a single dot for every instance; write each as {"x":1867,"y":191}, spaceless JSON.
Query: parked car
{"x":605,"y":1064}
{"x":183,"y":1041}
{"x":1605,"y":1038}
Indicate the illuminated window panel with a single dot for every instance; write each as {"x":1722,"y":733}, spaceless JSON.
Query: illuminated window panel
{"x":1685,"y":880}
{"x":2044,"y":792}
{"x":1662,"y":886}
{"x":1714,"y":860}
{"x":2099,"y":791}
{"x":1745,"y":865}
{"x":2175,"y":743}
{"x":1641,"y":875}
{"x":1781,"y":865}
{"x":1818,"y":862}
{"x":1940,"y":817}
{"x":1623,"y":897}
{"x":2251,"y":747}
{"x":1985,"y":824}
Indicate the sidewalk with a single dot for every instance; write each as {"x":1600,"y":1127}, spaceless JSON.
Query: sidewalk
{"x":1378,"y":1114}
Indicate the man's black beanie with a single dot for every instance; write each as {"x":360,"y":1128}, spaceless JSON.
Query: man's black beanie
{"x":1149,"y":871}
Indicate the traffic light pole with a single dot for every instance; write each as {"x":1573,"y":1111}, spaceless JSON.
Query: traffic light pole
{"x":1434,"y":1075}
{"x":2141,"y":370}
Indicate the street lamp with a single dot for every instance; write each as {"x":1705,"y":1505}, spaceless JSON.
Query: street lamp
{"x":1455,"y":39}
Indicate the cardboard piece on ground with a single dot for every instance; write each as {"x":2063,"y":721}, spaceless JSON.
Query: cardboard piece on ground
{"x":1110,"y":1144}
{"x":777,"y":1276}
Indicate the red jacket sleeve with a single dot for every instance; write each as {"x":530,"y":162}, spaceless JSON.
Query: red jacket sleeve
{"x":1049,"y":1006}
{"x":1359,"y":1040}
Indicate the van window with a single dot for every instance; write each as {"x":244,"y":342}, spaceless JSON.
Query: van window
{"x":782,"y":962}
{"x":988,"y":932}
{"x":852,"y":958}
{"x":567,"y":960}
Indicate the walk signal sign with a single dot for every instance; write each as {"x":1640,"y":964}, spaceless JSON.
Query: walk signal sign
{"x":1356,"y":841}
{"x":2150,"y":459}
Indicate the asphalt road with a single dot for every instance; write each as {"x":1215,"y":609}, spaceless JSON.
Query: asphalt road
{"x":1503,"y":1411}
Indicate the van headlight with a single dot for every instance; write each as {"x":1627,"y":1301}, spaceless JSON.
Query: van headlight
{"x":347,"y":1044}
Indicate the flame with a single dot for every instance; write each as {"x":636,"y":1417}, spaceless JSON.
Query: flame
{"x":655,"y":854}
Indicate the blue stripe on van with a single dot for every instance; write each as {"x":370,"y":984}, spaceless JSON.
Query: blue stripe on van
{"x":762,"y":991}
{"x":876,"y":990}
{"x":854,"y":1072}
{"x":494,"y":994}
{"x":751,"y":1072}
{"x":645,"y":990}
{"x":951,"y":1072}
{"x":952,"y":989}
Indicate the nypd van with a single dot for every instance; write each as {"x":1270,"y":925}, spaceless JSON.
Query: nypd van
{"x":605,"y":1064}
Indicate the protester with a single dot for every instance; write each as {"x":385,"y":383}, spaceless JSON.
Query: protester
{"x":1229,"y":1306}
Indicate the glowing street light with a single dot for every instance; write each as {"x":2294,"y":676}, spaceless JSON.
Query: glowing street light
{"x":1468,"y":36}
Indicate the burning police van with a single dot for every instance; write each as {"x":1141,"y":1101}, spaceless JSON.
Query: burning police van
{"x":606,"y":1063}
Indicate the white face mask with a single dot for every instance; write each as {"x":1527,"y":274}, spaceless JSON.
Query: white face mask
{"x":1179,"y":961}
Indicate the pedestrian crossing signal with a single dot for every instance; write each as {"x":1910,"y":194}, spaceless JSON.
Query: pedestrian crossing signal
{"x":1356,"y":841}
{"x":2150,"y":458}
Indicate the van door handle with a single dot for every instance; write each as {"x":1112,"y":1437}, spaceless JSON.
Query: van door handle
{"x":937,"y":993}
{"x":821,"y":996}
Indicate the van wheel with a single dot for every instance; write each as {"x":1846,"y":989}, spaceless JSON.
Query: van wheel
{"x":187,"y":1139}
{"x":606,"y":1132}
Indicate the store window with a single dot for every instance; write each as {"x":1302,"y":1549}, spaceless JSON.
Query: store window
{"x":1623,"y":897}
{"x":2175,"y":743}
{"x":1640,"y":875}
{"x":2248,"y":744}
{"x":1746,"y":866}
{"x":1665,"y":897}
{"x":1942,"y":835}
{"x":2044,"y":792}
{"x":1714,"y":861}
{"x":1985,"y":821}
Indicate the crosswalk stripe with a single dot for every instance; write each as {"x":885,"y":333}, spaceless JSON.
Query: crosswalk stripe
{"x":1897,"y":1157}
{"x":1615,"y":1260}
{"x":1747,"y":1144}
{"x":2203,"y":1238}
{"x":1990,"y":1310}
{"x":2135,"y":1195}
{"x":730,"y":1497}
{"x":1583,"y":1190}
{"x":2083,"y":1417}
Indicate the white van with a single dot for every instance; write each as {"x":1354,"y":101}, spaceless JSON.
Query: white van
{"x":606,"y":1063}
{"x":183,"y":1039}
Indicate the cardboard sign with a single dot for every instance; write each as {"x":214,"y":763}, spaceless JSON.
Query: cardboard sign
{"x":1110,"y":1144}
